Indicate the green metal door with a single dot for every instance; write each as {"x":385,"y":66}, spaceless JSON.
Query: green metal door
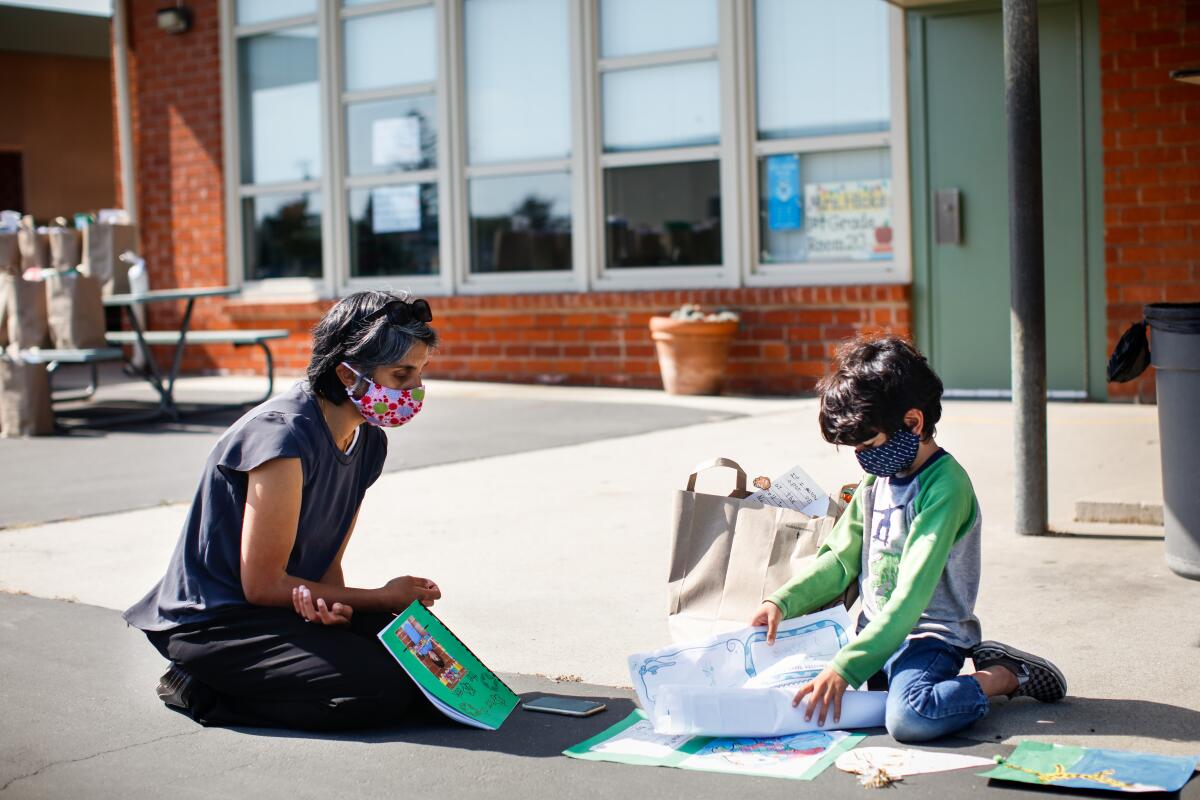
{"x":963,"y":288}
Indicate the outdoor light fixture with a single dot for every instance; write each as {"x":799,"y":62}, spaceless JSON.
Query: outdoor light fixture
{"x":175,"y":19}
{"x":1187,"y":75}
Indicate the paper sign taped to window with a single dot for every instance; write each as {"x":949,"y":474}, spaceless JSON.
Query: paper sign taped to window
{"x":849,"y":220}
{"x":396,"y":209}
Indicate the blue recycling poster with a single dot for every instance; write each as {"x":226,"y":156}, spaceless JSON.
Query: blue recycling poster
{"x":783,"y":192}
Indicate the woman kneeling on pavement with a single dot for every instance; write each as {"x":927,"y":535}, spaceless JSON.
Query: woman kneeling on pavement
{"x":253,"y":612}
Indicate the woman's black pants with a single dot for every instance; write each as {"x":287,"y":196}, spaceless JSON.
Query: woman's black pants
{"x":267,"y":667}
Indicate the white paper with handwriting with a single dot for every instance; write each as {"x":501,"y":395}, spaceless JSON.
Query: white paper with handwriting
{"x":796,"y":490}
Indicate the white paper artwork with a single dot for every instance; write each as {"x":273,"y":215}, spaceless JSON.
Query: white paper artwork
{"x":396,"y":209}
{"x":901,"y":763}
{"x":396,"y":140}
{"x":686,"y":675}
{"x":641,"y":740}
{"x":795,"y":490}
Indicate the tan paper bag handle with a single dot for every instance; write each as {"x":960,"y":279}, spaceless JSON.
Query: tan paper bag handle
{"x":740,"y":491}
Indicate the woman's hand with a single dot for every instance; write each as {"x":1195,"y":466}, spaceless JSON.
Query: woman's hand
{"x":302,"y":602}
{"x":401,"y":592}
{"x":826,"y":690}
{"x":768,"y":614}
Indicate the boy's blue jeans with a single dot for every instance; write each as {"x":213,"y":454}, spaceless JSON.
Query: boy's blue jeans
{"x":927,"y":698}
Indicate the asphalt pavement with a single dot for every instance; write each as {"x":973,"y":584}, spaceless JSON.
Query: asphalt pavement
{"x":81,"y":720}
{"x":543,"y":512}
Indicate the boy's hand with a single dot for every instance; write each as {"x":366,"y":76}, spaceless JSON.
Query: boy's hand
{"x":826,"y":690}
{"x":768,"y":614}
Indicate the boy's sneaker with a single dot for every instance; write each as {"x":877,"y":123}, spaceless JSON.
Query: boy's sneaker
{"x":1036,"y":677}
{"x":175,"y":687}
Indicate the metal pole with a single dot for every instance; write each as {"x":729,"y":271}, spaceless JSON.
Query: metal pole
{"x":1022,"y":101}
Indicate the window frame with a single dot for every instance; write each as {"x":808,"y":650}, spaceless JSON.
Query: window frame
{"x":737,"y":154}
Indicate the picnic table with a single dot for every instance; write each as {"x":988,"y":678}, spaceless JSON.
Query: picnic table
{"x":162,"y":381}
{"x":142,"y":339}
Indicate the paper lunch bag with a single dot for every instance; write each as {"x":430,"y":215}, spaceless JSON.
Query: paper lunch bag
{"x":729,"y":553}
{"x":64,"y":248}
{"x":25,"y":312}
{"x":24,"y":399}
{"x":10,"y":253}
{"x":102,"y":248}
{"x":34,"y":246}
{"x":75,"y":311}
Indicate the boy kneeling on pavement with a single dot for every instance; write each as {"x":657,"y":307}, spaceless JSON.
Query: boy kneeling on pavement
{"x":911,"y":537}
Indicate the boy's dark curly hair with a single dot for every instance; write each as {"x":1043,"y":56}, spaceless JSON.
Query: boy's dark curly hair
{"x":875,"y":381}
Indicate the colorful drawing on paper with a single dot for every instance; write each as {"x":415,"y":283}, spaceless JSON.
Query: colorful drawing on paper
{"x":1047,"y":764}
{"x":781,"y":757}
{"x":435,"y":658}
{"x":849,"y":220}
{"x":801,"y":756}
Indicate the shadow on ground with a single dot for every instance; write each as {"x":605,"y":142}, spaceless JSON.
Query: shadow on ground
{"x":525,"y":733}
{"x":1088,"y":717}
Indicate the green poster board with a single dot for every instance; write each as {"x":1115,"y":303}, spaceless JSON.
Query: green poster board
{"x":446,"y":670}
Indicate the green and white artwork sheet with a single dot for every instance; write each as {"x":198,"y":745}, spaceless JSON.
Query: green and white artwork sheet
{"x":446,"y":670}
{"x":801,"y":756}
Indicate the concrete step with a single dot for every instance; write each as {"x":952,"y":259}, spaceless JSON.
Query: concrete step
{"x":1119,"y":512}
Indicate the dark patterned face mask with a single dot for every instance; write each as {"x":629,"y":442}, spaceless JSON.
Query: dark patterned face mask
{"x":895,"y":455}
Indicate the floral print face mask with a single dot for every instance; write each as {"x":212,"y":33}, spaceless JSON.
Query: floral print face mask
{"x":383,"y":407}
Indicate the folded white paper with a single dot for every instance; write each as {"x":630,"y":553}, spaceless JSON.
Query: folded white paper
{"x":803,"y":646}
{"x":707,"y":711}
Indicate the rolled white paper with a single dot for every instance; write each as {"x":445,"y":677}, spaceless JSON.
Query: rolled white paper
{"x":755,"y":713}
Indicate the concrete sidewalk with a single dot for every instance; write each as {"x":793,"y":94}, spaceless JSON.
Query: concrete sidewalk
{"x":553,"y":558}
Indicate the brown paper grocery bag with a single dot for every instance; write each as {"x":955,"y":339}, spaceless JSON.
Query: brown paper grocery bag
{"x":34,"y":246}
{"x":729,"y":553}
{"x":65,"y":246}
{"x":74,"y":310}
{"x":10,"y":253}
{"x":25,"y":309}
{"x":24,"y":399}
{"x":102,"y":248}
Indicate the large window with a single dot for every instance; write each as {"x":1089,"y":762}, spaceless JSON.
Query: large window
{"x":556,"y":145}
{"x":826,"y":202}
{"x":660,"y":110}
{"x":518,"y":120}
{"x":280,"y":175}
{"x":389,"y":60}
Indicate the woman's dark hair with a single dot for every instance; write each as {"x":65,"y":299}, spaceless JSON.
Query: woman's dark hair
{"x":875,"y":381}
{"x":342,"y":335}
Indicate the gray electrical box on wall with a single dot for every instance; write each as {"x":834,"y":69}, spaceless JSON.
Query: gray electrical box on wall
{"x":947,"y":225}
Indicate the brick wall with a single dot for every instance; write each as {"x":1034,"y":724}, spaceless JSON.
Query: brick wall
{"x":1151,"y":162}
{"x":783,"y":344}
{"x":175,"y":100}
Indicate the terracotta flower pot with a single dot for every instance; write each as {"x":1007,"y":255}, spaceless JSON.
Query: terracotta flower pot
{"x":692,"y":354}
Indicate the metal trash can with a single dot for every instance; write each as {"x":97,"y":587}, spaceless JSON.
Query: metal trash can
{"x":1175,"y":354}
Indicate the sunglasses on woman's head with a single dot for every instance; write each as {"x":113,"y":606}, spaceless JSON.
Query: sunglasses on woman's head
{"x":402,"y":312}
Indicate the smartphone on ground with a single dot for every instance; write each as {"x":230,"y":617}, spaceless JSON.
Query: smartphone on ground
{"x":567,"y":706}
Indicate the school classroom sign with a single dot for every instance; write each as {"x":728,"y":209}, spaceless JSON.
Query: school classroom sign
{"x":848,"y":220}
